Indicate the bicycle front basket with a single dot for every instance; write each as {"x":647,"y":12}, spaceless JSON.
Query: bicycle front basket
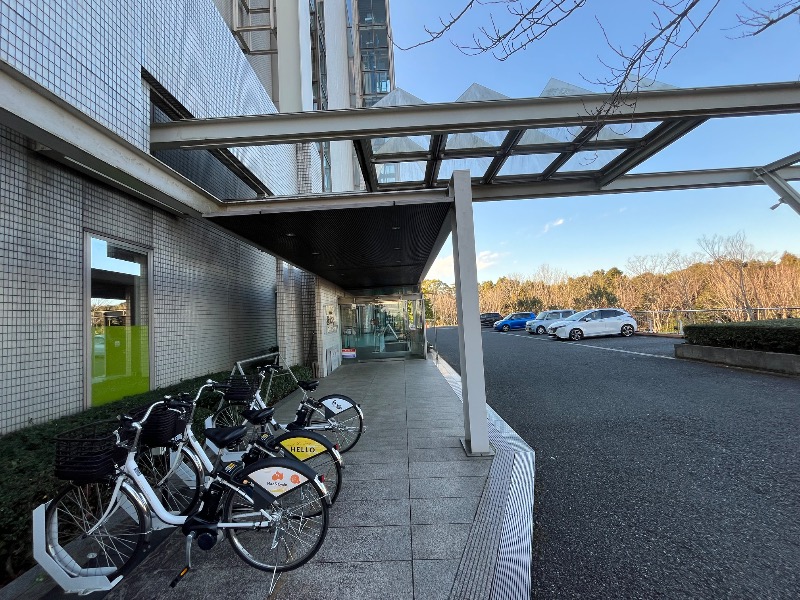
{"x":86,"y":454}
{"x":161,"y":426}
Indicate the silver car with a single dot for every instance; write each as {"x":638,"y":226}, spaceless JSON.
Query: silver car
{"x":545,"y":318}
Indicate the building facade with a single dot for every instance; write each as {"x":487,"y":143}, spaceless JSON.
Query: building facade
{"x":107,"y":290}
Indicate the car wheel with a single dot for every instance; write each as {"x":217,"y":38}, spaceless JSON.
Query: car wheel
{"x":627,"y":330}
{"x":505,"y":328}
{"x":540,"y":330}
{"x":576,"y":335}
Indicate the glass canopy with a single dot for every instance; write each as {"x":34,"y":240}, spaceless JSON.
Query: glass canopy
{"x":513,"y":155}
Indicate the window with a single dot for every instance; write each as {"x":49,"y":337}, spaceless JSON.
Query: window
{"x":372,"y":12}
{"x":119,"y":346}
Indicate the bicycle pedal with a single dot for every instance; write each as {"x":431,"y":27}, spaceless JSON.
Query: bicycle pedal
{"x":179,"y":577}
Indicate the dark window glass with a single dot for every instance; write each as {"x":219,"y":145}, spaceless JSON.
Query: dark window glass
{"x":381,"y":38}
{"x":367,"y":39}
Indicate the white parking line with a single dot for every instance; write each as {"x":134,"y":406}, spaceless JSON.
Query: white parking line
{"x":583,"y":345}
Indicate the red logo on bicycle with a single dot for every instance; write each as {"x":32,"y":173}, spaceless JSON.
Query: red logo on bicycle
{"x":295,"y":479}
{"x":278,"y":476}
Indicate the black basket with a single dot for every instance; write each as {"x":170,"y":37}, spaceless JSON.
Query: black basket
{"x":241,"y":390}
{"x":161,"y":426}
{"x":86,"y":454}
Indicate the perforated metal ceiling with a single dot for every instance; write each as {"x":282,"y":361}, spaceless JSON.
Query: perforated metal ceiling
{"x":384,"y":249}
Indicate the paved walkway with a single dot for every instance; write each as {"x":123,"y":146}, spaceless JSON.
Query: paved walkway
{"x":416,"y":518}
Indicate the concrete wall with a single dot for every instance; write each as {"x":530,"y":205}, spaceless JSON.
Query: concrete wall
{"x":214,"y":296}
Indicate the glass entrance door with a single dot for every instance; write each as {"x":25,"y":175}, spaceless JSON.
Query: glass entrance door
{"x":387,"y":329}
{"x":120,"y":315}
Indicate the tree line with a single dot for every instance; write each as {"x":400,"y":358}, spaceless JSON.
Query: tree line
{"x":728,"y":274}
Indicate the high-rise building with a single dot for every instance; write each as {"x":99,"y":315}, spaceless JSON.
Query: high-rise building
{"x":318,"y":55}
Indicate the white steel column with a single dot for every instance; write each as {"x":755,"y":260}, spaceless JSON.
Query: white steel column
{"x":473,"y":383}
{"x":294,"y":56}
{"x":337,"y":65}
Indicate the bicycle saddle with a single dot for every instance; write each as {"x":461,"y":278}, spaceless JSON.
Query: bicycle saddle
{"x":309,"y":386}
{"x":258,"y":416}
{"x":222,"y":437}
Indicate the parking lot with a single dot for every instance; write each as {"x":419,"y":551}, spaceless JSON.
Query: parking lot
{"x":656,"y":477}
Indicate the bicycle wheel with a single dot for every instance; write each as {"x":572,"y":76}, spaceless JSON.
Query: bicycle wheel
{"x":230,"y":416}
{"x":81,"y":544}
{"x":288,"y":533}
{"x":343,"y":428}
{"x":317,"y":452}
{"x":176,"y":477}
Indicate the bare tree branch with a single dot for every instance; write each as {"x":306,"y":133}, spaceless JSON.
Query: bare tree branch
{"x":759,"y":20}
{"x":674,"y":24}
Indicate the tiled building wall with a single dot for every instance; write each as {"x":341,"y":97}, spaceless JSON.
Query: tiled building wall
{"x":91,"y":54}
{"x":214,"y":299}
{"x":308,"y":294}
{"x":214,"y":296}
{"x":290,"y":313}
{"x":41,"y":293}
{"x":330,"y":342}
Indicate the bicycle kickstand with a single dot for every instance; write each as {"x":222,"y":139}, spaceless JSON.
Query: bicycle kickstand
{"x":185,"y":570}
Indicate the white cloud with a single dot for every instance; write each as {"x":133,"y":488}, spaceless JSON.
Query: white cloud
{"x":442,"y":269}
{"x":487,"y":258}
{"x":553,"y":224}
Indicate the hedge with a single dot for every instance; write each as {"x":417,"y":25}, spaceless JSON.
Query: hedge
{"x":28,"y":454}
{"x":774,"y":335}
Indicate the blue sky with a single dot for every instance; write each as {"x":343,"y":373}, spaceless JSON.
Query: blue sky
{"x":579,"y":235}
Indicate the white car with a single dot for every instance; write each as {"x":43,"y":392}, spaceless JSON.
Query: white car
{"x":592,"y":322}
{"x":545,"y":318}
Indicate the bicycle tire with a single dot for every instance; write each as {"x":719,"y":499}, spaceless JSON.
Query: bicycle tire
{"x":326,"y":463}
{"x":344,"y":428}
{"x":293,"y":531}
{"x":109,"y":549}
{"x":177,"y":485}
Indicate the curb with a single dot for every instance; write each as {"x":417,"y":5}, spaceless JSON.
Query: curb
{"x":497,"y":561}
{"x":770,"y":362}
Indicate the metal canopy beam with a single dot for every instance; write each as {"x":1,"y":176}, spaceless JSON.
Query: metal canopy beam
{"x":580,"y":140}
{"x":777,"y":182}
{"x":658,"y":139}
{"x":512,"y":139}
{"x":364,"y":155}
{"x":462,"y":117}
{"x":647,"y":182}
{"x":434,"y":158}
{"x":519,"y":150}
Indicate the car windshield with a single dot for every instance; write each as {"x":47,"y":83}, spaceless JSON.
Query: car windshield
{"x":579,"y":315}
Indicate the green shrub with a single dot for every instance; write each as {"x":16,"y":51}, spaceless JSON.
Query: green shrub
{"x":28,"y":455}
{"x":775,"y":335}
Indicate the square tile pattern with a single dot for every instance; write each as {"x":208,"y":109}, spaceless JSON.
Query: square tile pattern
{"x":401,"y":525}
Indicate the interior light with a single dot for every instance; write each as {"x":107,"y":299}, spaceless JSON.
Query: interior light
{"x":290,"y":235}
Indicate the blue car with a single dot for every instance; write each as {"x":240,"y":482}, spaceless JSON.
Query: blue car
{"x":514,"y":321}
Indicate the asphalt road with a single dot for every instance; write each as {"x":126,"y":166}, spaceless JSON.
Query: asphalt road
{"x":655,"y":478}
